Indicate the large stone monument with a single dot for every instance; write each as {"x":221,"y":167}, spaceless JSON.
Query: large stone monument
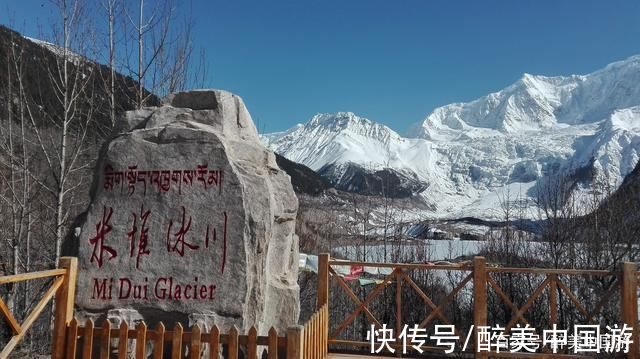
{"x":190,"y":220}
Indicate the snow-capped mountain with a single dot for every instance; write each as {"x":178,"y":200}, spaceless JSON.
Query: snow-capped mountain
{"x":342,"y":137}
{"x":58,"y":50}
{"x":470,"y":156}
{"x":347,"y":149}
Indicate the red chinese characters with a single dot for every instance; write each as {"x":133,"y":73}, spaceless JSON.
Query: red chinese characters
{"x":143,"y":239}
{"x":181,"y":237}
{"x":179,"y":240}
{"x":99,"y":247}
{"x":224,"y":240}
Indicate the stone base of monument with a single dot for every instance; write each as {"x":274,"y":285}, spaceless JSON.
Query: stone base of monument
{"x":190,"y":221}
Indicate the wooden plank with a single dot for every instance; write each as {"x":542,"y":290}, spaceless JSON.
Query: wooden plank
{"x":32,"y":275}
{"x":553,"y":299}
{"x":272,"y":347}
{"x":31,"y":318}
{"x":233,"y":343}
{"x":194,"y":348}
{"x":176,"y":342}
{"x":399,"y":309}
{"x":321,"y":333}
{"x":314,"y":336}
{"x":320,"y":338}
{"x":87,"y":341}
{"x":214,"y":343}
{"x":294,"y":342}
{"x":158,"y":345}
{"x":6,"y":313}
{"x":123,"y":340}
{"x":72,"y":339}
{"x":63,"y":311}
{"x":105,"y":340}
{"x":307,"y":340}
{"x":252,"y":345}
{"x":629,"y":303}
{"x":325,"y":331}
{"x":586,"y":272}
{"x":479,"y":302}
{"x":401,"y":265}
{"x":141,"y":341}
{"x":323,"y":280}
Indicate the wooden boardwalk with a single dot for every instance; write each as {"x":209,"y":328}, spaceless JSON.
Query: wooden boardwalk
{"x":361,"y":356}
{"x":355,"y":356}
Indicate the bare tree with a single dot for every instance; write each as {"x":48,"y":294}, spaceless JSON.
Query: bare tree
{"x":14,"y":178}
{"x":158,"y":46}
{"x":111,"y":8}
{"x":63,"y":145}
{"x":19,"y":191}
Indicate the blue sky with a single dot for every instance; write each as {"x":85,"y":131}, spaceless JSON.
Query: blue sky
{"x":391,"y":61}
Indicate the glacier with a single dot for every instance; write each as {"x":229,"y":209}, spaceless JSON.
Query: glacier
{"x":473,"y":155}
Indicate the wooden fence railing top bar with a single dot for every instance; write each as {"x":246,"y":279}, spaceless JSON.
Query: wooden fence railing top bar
{"x":32,"y":275}
{"x":468,"y":266}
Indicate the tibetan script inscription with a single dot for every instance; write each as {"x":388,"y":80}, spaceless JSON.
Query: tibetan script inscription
{"x":162,"y":180}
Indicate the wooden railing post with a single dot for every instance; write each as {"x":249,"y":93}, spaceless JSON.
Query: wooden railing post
{"x":323,"y":280}
{"x":479,"y":302}
{"x":553,"y":299}
{"x":399,"y":310}
{"x":63,"y":311}
{"x":295,"y":345}
{"x":629,"y":303}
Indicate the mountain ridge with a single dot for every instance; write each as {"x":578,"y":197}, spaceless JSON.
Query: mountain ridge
{"x":466,"y":155}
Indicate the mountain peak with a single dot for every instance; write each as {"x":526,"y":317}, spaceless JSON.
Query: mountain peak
{"x":349,"y":124}
{"x":338,"y":120}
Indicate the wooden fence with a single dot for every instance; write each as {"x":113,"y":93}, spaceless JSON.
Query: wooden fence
{"x":124,"y":342}
{"x":316,"y":334}
{"x":480,"y":281}
{"x":311,"y":341}
{"x":300,"y":342}
{"x":63,"y":289}
{"x":71,"y":340}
